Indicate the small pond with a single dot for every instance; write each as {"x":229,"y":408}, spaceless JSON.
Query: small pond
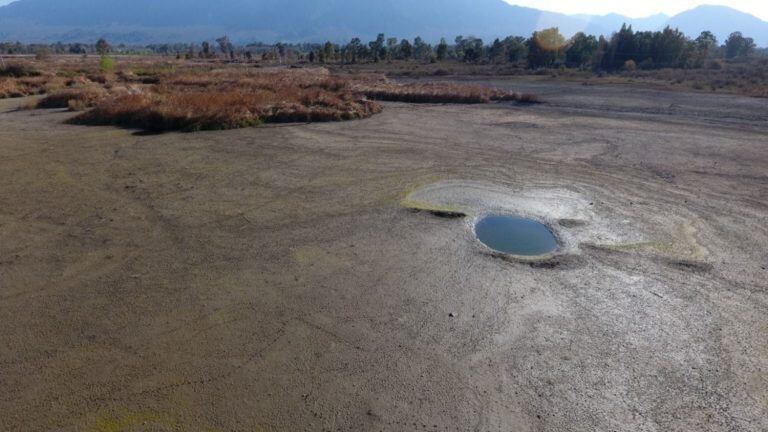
{"x":515,"y":235}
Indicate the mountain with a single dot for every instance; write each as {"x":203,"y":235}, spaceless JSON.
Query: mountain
{"x":606,"y":24}
{"x":269,"y":20}
{"x":721,"y":21}
{"x":148,"y":21}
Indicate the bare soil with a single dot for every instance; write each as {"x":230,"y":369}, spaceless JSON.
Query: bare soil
{"x":277,"y":278}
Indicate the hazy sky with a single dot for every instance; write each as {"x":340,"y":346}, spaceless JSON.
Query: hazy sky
{"x":632,"y":8}
{"x":641,"y":8}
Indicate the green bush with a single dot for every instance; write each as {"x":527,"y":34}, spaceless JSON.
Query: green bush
{"x":106,"y":64}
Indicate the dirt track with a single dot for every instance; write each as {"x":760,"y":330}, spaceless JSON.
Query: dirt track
{"x":272,"y":278}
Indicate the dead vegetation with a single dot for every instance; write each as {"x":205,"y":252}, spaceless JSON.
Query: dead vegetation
{"x":226,"y":99}
{"x":162,"y":96}
{"x":433,"y":92}
{"x":75,"y":98}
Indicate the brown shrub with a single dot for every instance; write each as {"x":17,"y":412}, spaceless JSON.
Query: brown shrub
{"x":78,"y":97}
{"x":10,"y":88}
{"x":19,"y":71}
{"x":529,"y":98}
{"x":191,"y":103}
{"x":432,"y":92}
{"x":20,"y":87}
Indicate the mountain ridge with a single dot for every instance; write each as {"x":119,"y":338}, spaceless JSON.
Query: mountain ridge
{"x":150,"y":21}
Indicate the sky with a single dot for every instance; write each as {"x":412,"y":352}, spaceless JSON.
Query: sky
{"x":640,"y":8}
{"x":631,"y":8}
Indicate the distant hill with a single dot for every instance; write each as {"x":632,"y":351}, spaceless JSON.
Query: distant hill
{"x":721,"y":21}
{"x":147,"y":21}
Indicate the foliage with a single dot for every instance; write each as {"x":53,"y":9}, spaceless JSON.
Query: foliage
{"x":738,"y":46}
{"x":581,"y":49}
{"x":106,"y":64}
{"x":545,"y":48}
{"x":102,"y":47}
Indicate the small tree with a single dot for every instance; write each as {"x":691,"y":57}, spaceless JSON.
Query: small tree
{"x":206,"y":52}
{"x":405,"y":49}
{"x":421,"y":49}
{"x":225,"y":45}
{"x":497,"y":52}
{"x":354,"y":49}
{"x":580,"y":50}
{"x":545,"y":48}
{"x":442,"y":50}
{"x":391,"y":47}
{"x":329,"y":51}
{"x":516,"y":48}
{"x":378,"y":50}
{"x":102,"y":47}
{"x":738,"y":46}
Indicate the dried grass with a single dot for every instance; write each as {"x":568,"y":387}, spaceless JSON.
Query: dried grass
{"x":76,"y":99}
{"x":156,"y":95}
{"x":191,"y":102}
{"x":442,"y":92}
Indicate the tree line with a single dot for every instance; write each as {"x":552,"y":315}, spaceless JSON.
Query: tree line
{"x":624,"y":50}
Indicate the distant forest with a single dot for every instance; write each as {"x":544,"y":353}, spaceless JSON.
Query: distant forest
{"x":624,"y":50}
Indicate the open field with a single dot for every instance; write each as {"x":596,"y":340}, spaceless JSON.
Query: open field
{"x":286,"y":278}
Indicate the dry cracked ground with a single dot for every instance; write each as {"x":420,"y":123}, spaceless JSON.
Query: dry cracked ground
{"x":283,"y":278}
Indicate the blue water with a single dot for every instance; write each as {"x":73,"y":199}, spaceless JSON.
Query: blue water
{"x":515,"y":235}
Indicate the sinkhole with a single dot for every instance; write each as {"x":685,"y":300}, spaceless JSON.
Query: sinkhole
{"x":515,"y":235}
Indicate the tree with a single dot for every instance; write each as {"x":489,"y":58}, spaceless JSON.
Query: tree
{"x":102,"y":47}
{"x":620,"y":49}
{"x":329,"y":52}
{"x":470,"y":49}
{"x":391,"y":47}
{"x":516,"y":48}
{"x":458,"y":48}
{"x":311,"y":56}
{"x":497,"y":52}
{"x":581,"y":49}
{"x":545,"y":47}
{"x":738,"y":46}
{"x":206,"y":52}
{"x":706,"y":44}
{"x":378,"y":50}
{"x":405,"y":50}
{"x":354,"y":48}
{"x":225,"y":45}
{"x":442,"y":50}
{"x":421,"y":49}
{"x":671,"y":48}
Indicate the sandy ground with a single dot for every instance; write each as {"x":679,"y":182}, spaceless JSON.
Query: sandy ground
{"x":276,"y":279}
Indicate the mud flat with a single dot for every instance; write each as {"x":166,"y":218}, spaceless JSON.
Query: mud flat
{"x":327,"y":277}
